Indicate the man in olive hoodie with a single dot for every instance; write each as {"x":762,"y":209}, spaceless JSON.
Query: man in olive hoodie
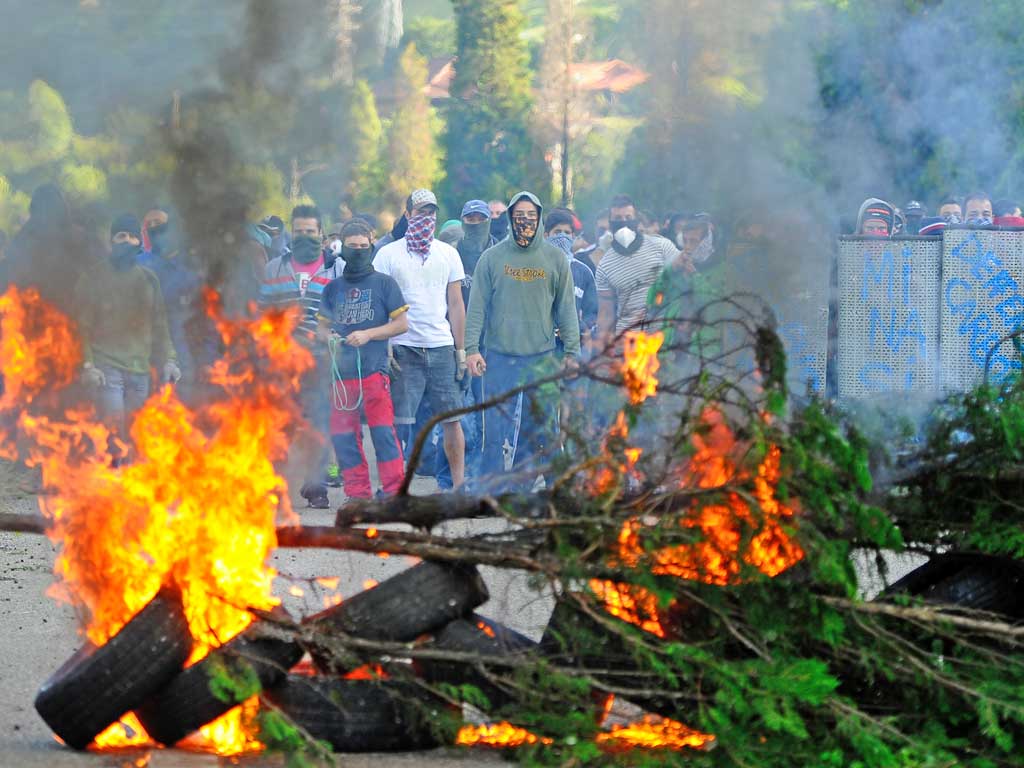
{"x":522,"y":290}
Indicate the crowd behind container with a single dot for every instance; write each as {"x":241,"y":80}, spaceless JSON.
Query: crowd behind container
{"x":878,"y":218}
{"x":405,"y":322}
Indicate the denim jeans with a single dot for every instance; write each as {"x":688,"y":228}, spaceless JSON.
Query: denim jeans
{"x":522,"y":430}
{"x":120,"y":397}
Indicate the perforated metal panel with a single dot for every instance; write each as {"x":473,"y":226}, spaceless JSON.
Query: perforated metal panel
{"x":888,"y":325}
{"x":982,"y":302}
{"x":795,"y":287}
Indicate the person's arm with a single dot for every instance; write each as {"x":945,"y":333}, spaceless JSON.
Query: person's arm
{"x":479,"y":295}
{"x":565,"y":309}
{"x":457,"y":314}
{"x":605,"y":316}
{"x":395,"y":326}
{"x":163,"y":347}
{"x":82,"y":309}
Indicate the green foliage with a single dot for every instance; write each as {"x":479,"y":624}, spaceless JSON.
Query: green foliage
{"x":489,"y":148}
{"x":413,"y":159}
{"x":964,"y":495}
{"x":433,"y":37}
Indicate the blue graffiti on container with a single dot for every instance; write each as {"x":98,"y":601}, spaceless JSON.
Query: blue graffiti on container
{"x":797,"y":340}
{"x":895,"y":327}
{"x":983,"y":327}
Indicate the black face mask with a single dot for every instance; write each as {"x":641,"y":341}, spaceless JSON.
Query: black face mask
{"x":306,"y":250}
{"x":123,"y":256}
{"x":477,"y":235}
{"x":358,"y":261}
{"x":618,"y":224}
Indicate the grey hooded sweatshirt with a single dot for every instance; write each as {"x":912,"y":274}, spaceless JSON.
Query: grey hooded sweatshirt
{"x":520,"y":295}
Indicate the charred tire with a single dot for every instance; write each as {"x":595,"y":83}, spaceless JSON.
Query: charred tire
{"x":413,"y":603}
{"x":358,"y":715}
{"x":981,"y":582}
{"x":96,"y":686}
{"x":480,"y":636}
{"x":187,"y":703}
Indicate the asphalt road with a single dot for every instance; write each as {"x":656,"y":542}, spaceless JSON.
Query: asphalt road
{"x":39,"y":634}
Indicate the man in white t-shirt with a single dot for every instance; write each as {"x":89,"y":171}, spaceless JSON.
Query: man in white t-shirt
{"x":431,"y":355}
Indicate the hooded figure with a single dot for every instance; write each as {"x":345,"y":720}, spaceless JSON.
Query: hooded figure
{"x":50,"y":252}
{"x":522,"y":290}
{"x":876,"y":218}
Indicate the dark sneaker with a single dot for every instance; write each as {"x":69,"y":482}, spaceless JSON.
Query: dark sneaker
{"x":315,"y":496}
{"x":319,"y":502}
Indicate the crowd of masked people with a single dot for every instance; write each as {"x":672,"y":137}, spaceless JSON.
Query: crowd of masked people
{"x":425,"y":319}
{"x":878,"y":218}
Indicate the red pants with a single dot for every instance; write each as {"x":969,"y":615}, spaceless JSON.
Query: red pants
{"x":347,"y":436}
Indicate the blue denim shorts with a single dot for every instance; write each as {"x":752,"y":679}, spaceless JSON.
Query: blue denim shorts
{"x":424,"y":372}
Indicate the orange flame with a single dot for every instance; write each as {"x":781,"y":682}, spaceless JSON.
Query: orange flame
{"x":652,"y":732}
{"x":126,"y":732}
{"x":608,"y":473}
{"x":631,"y":603}
{"x":196,"y":506}
{"x":501,"y":735}
{"x":486,"y":629}
{"x":640,"y":364}
{"x":39,"y":349}
{"x":717,"y":556}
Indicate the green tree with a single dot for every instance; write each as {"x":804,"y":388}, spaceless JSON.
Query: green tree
{"x":413,"y":155}
{"x":365,"y":136}
{"x":489,"y":146}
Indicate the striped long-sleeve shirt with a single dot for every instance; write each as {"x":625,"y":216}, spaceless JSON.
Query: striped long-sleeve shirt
{"x":281,"y":289}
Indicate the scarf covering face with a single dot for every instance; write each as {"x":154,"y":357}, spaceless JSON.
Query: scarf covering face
{"x":358,"y":262}
{"x":705,"y":250}
{"x":420,"y":233}
{"x":563,"y":242}
{"x":524,"y":232}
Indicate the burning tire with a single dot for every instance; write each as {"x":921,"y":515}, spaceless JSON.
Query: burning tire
{"x":357,"y":715}
{"x":474,"y":635}
{"x":413,"y":603}
{"x":187,"y":702}
{"x":97,"y":685}
{"x":981,"y":582}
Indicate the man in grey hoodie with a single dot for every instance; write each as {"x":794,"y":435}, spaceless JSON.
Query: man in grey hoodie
{"x":522,"y":290}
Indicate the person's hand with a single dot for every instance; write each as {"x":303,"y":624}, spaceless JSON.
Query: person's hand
{"x":93,"y":376}
{"x":461,"y":370}
{"x":393,"y":367}
{"x":172,"y":373}
{"x":476,"y":364}
{"x":571,"y":364}
{"x":604,"y":242}
{"x":358,"y":338}
{"x":685,"y":264}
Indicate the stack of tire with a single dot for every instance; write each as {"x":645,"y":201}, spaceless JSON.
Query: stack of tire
{"x":142,"y":669}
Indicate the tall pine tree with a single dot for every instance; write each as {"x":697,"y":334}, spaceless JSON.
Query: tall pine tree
{"x":490,"y":150}
{"x":413,"y":158}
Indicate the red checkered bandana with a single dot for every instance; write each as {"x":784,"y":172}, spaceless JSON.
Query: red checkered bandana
{"x":420,"y":234}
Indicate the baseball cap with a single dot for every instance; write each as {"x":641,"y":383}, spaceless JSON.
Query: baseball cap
{"x":476,"y":206}
{"x":423,"y":197}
